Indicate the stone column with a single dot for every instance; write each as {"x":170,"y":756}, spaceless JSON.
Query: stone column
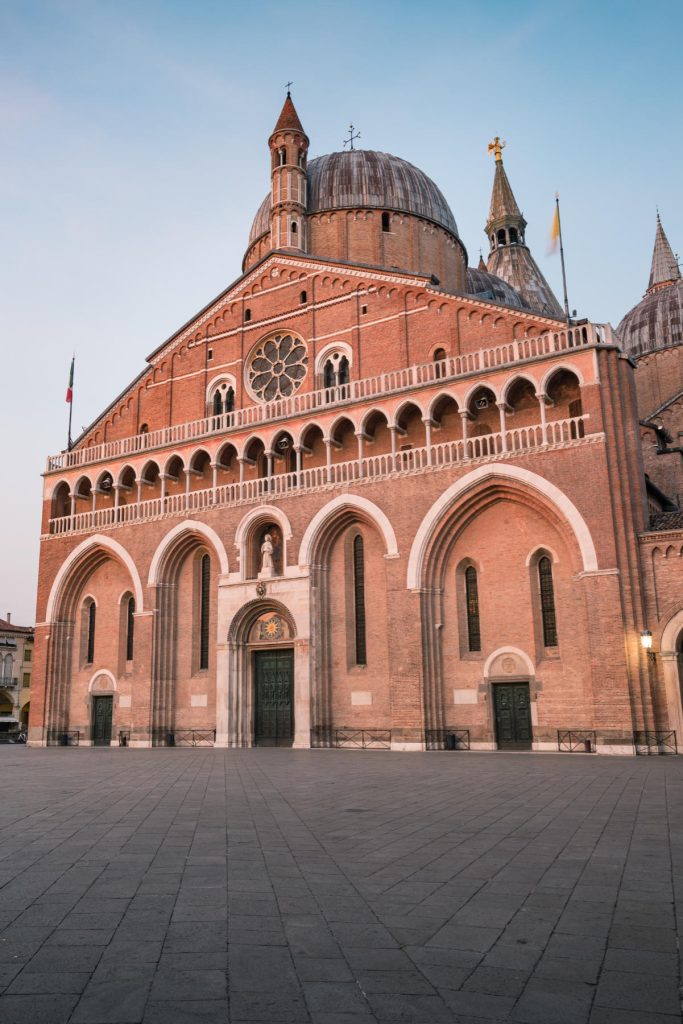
{"x":503,"y":426}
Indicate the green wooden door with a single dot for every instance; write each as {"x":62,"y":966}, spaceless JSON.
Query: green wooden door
{"x":274,"y":685}
{"x":513,"y":715}
{"x":101,"y":721}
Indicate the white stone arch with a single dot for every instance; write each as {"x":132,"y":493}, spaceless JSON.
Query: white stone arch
{"x":375,"y":410}
{"x":241,"y":452}
{"x":192,"y":526}
{"x":342,"y":347}
{"x":670,"y":671}
{"x":529,"y":666}
{"x":344,"y":415}
{"x":102,"y":672}
{"x":571,"y":367}
{"x":52,"y":487}
{"x":509,"y":381}
{"x":395,"y":413}
{"x":298,"y":439}
{"x":328,"y":511}
{"x":477,"y":387}
{"x":116,"y":550}
{"x":553,"y":494}
{"x":445,"y":393}
{"x":169,"y":459}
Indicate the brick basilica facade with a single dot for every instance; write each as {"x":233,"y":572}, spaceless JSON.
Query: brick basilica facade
{"x":367,"y":496}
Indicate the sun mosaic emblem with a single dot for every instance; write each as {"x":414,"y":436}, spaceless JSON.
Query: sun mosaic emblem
{"x":272,"y":628}
{"x":277,"y":367}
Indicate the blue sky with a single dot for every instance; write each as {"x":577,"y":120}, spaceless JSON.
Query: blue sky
{"x":134,"y":140}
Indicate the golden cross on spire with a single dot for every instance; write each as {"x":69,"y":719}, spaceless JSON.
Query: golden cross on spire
{"x":497,"y":147}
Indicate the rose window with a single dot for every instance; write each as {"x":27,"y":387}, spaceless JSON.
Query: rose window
{"x":277,"y":367}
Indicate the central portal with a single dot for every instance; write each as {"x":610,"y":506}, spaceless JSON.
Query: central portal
{"x":274,"y":704}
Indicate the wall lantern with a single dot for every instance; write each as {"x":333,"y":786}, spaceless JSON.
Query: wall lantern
{"x":646,"y":643}
{"x":646,"y":639}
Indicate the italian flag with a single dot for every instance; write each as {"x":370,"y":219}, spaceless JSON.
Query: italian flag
{"x":70,"y":385}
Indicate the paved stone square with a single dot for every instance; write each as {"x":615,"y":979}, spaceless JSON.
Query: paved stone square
{"x":338,"y":887}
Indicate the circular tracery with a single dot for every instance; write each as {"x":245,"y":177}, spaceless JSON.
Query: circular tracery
{"x":277,"y":367}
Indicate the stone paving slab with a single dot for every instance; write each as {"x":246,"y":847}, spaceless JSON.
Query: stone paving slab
{"x":339,"y":887}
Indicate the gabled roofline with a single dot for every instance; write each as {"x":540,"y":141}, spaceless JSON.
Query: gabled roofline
{"x":404,"y":277}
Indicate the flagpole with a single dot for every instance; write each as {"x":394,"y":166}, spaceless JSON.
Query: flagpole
{"x":71,"y":401}
{"x":564,"y":273}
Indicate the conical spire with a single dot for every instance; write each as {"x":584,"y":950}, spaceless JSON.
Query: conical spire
{"x":503,"y":203}
{"x":664,"y":268}
{"x":510,"y":258}
{"x":288,"y":119}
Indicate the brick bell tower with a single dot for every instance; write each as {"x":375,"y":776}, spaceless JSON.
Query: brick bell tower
{"x":289,"y":155}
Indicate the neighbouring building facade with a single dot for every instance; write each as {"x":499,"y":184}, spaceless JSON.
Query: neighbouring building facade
{"x":367,"y":496}
{"x":16,"y":666}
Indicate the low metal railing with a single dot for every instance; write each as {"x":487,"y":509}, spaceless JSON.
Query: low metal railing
{"x":194,"y":738}
{"x":69,"y":739}
{"x":655,"y":742}
{"x":447,"y":739}
{"x":363,"y":739}
{"x":577,"y":741}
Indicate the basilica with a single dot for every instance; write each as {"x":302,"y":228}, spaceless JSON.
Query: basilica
{"x":372,"y":496}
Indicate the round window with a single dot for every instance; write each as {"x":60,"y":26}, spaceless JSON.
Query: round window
{"x":277,"y":367}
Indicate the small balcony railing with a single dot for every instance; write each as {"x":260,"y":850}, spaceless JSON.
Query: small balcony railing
{"x":380,"y":385}
{"x":8,"y":683}
{"x":375,"y":467}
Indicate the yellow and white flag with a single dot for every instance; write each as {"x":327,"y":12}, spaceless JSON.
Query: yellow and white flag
{"x":554,"y":242}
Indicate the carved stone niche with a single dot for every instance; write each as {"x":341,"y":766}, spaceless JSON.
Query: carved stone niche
{"x":270,"y":627}
{"x":102,"y":684}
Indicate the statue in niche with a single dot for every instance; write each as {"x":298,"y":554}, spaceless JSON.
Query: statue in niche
{"x":267,"y":564}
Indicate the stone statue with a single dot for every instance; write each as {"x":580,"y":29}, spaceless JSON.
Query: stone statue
{"x":267,"y":565}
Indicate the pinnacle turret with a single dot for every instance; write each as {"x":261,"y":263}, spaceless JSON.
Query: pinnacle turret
{"x":510,"y":257}
{"x":665,"y":269}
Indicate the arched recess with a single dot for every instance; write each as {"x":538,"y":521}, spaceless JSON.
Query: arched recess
{"x":671,"y":655}
{"x":440,"y":531}
{"x":327,"y":548}
{"x":235,"y":724}
{"x":556,"y":498}
{"x":188,"y":540}
{"x":61,"y":612}
{"x":244,"y":536}
{"x":355,"y":504}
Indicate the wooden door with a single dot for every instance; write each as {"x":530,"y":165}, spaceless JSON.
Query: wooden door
{"x":274,"y":686}
{"x":513,"y":715}
{"x":101,"y":721}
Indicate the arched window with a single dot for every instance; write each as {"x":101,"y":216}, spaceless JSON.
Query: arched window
{"x":386,"y":223}
{"x":548,"y":618}
{"x":223,"y":398}
{"x":91,"y":612}
{"x":130,"y":628}
{"x":282,"y":156}
{"x":204,"y":595}
{"x":439,"y":358}
{"x":501,"y":236}
{"x":328,"y":374}
{"x":303,"y":298}
{"x":343,"y":370}
{"x":359,"y":599}
{"x":217,"y":403}
{"x":472,"y":603}
{"x":513,"y":235}
{"x":247,"y":315}
{"x":294,"y":227}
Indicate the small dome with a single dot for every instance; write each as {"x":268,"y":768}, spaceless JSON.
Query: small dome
{"x":655,"y":323}
{"x":487,"y":286}
{"x":367,"y":179}
{"x":261,"y":222}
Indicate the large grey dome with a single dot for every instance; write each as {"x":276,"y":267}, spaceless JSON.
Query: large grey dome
{"x":656,"y":322}
{"x":364,"y":178}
